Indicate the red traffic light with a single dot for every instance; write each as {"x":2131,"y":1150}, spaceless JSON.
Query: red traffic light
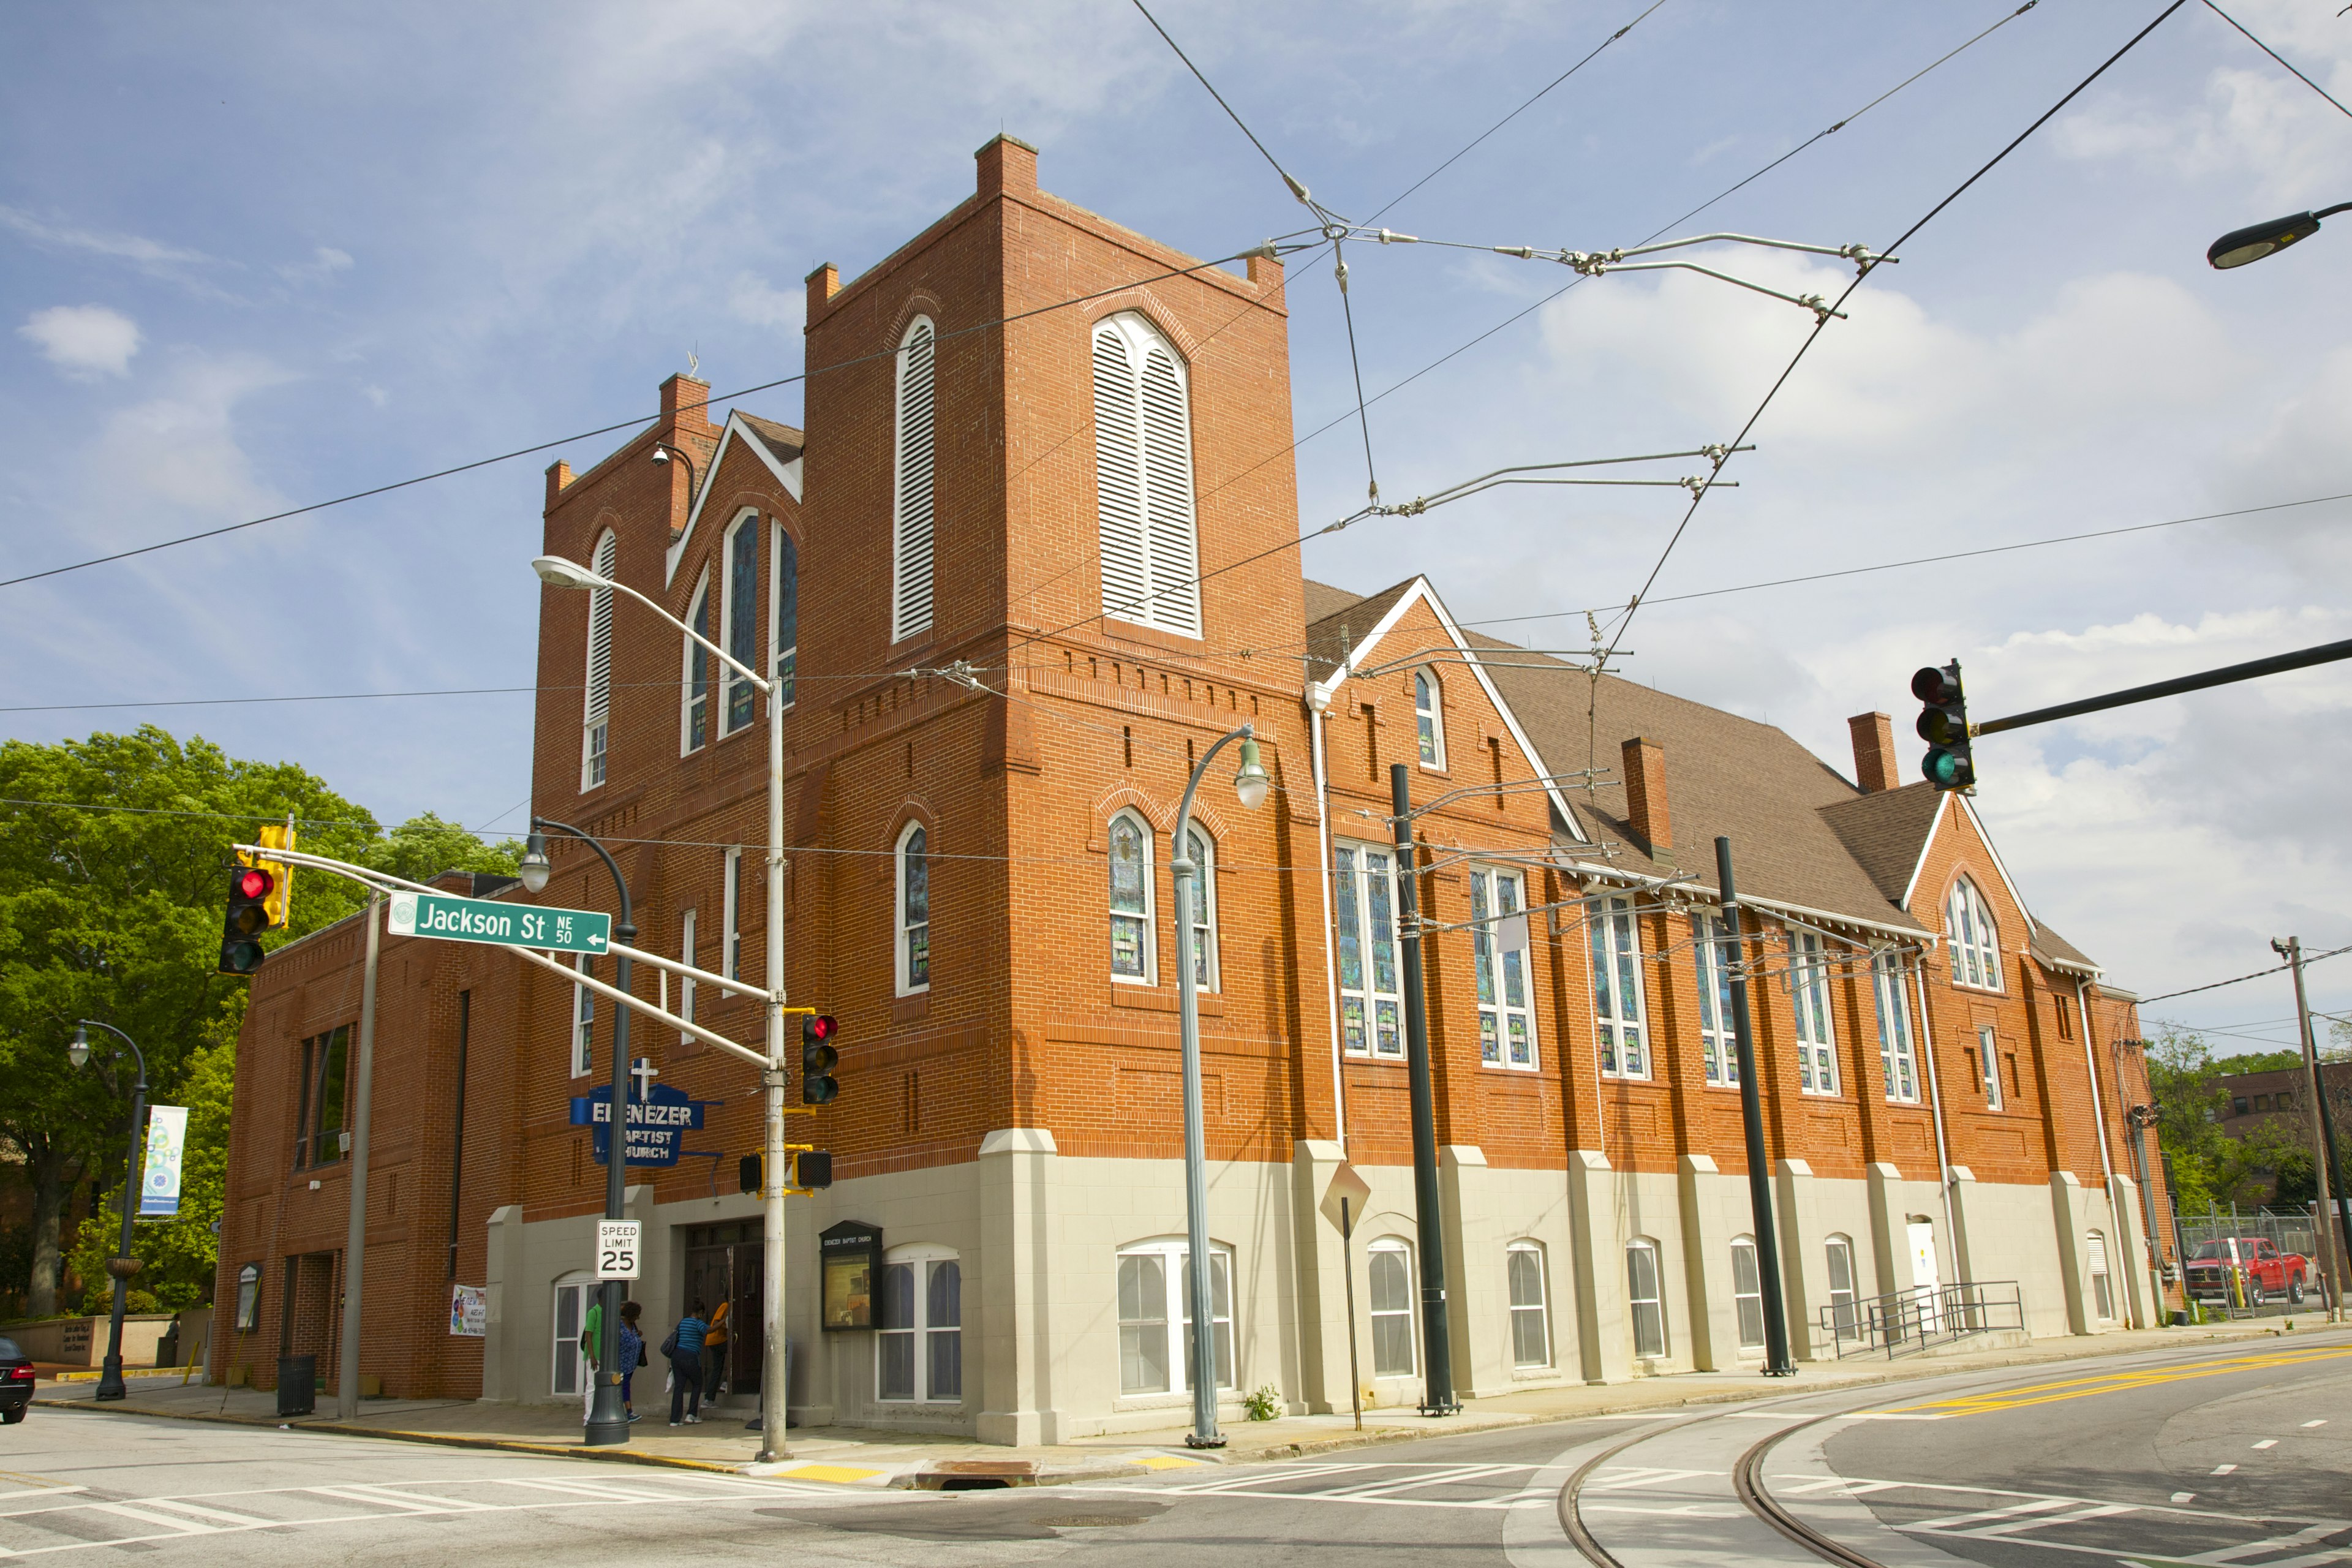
{"x":253,"y":883}
{"x":818,"y":1027}
{"x":1933,"y":685}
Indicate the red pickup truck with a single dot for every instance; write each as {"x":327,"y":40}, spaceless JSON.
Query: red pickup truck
{"x":2267,"y":1271}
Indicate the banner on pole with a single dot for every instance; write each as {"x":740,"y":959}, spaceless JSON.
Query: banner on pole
{"x":167,"y":1137}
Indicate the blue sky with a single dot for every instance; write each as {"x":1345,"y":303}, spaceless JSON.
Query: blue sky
{"x":257,"y":258}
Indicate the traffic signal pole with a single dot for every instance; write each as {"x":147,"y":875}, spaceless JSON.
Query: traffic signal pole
{"x":2326,"y":652}
{"x":347,"y":1365}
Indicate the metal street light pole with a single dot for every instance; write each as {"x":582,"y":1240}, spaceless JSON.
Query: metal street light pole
{"x":2326,"y":1169}
{"x":1777,"y":1362}
{"x":1250,"y":785}
{"x":556,"y":572}
{"x":1437,"y":1341}
{"x":120,"y":1265}
{"x":608,"y":1420}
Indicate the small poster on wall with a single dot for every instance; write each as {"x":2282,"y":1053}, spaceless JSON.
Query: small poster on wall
{"x":469,"y":1311}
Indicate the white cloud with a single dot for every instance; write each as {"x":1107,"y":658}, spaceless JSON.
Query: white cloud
{"x":181,"y":447}
{"x":149,"y":253}
{"x":324,"y":263}
{"x":752,"y":301}
{"x":85,"y":342}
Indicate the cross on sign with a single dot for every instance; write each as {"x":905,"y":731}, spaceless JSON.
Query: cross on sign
{"x":644,"y":1072}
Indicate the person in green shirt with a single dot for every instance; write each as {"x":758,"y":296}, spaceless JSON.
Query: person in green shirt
{"x":592,"y":1341}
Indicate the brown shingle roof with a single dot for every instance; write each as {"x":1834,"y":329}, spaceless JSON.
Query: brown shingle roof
{"x":1886,"y":833}
{"x":781,"y":439}
{"x":1344,"y":621}
{"x":2054,"y":950}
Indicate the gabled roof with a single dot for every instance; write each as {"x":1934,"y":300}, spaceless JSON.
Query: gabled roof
{"x":2054,"y":951}
{"x":1887,"y":833}
{"x":778,"y":448}
{"x":1347,"y":645}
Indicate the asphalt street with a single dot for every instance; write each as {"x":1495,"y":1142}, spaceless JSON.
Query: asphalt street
{"x":2231,"y":1455}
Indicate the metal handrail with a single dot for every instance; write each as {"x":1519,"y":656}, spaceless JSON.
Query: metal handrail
{"x":1907,"y":1321}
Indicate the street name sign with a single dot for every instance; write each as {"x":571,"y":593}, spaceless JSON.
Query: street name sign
{"x":616,"y":1248}
{"x":454,"y":918}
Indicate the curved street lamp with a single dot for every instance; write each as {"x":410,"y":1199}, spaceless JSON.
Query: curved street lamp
{"x":2253,"y":243}
{"x":1250,"y":784}
{"x":608,"y":1422}
{"x":122,"y":1265}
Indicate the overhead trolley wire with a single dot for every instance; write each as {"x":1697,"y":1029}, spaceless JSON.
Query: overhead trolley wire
{"x":2276,"y":56}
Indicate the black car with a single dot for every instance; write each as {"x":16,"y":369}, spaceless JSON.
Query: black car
{"x":15,"y":1381}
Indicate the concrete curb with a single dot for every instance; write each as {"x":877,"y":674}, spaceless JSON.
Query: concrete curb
{"x":1899,"y":1372}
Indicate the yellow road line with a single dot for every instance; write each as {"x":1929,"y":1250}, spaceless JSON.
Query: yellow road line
{"x":2109,"y":1382}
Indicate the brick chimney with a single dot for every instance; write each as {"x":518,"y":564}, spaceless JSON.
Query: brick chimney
{"x":823,"y":285}
{"x":1873,"y":751}
{"x":1646,"y":793}
{"x":559,"y":476}
{"x":685,"y":404}
{"x":1008,"y":166}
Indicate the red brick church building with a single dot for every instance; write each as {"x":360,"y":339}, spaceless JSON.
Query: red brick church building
{"x":1023,"y":567}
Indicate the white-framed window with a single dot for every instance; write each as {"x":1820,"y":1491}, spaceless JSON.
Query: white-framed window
{"x":1523,"y":1264}
{"x":1842,"y":1319}
{"x":694,"y":678}
{"x":1617,"y":1012}
{"x":784,"y":615}
{"x":1896,"y":1057}
{"x":1429,"y":719}
{"x":1364,"y":908}
{"x":1506,"y":1023}
{"x":914,"y":910}
{"x":1648,"y":1305}
{"x":596,"y":708}
{"x":731,"y":930}
{"x":1747,"y":1292}
{"x":1711,"y":951}
{"x":1976,"y":942}
{"x":567,"y":1370}
{"x":740,"y":616}
{"x":686,"y":981}
{"x":1202,"y":852}
{"x":1155,"y":1291}
{"x":1808,"y":997}
{"x":1389,"y":1264}
{"x":918,"y":1348}
{"x":2103,"y":1296}
{"x":1133,"y":946}
{"x":1143,"y":479}
{"x":911,"y":535}
{"x":583,"y":1019}
{"x":1989,"y":1065}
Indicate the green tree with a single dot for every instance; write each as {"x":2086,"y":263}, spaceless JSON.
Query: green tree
{"x":113,"y":859}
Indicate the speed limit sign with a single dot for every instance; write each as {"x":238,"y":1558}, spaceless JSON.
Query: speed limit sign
{"x":616,"y":1248}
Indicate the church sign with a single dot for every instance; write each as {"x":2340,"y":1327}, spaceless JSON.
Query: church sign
{"x":659,"y":1119}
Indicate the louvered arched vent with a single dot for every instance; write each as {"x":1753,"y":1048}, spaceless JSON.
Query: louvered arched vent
{"x":911,"y":574}
{"x":1143,"y":479}
{"x":596,"y":711}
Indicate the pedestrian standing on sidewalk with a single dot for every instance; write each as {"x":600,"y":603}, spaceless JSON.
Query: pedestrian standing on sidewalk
{"x":591,"y":1340}
{"x":684,"y":1349}
{"x":714,"y":1353}
{"x":633,"y":1353}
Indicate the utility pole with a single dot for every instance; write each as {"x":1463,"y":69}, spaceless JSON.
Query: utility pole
{"x":1429,"y":1218}
{"x":347,"y":1376}
{"x":2326,"y":1169}
{"x":1776,"y":1361}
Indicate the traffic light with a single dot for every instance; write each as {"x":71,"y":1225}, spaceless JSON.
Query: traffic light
{"x":249,"y":889}
{"x":747,"y":1174}
{"x":817,"y":1056}
{"x":1944,"y":725}
{"x":813,"y":1169}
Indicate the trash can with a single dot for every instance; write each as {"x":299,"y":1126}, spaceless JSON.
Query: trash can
{"x":298,"y":1385}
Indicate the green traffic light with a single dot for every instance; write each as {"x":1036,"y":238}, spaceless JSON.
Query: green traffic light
{"x":1947,"y":770}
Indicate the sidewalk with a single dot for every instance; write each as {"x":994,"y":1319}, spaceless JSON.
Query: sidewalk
{"x":859,"y":1457}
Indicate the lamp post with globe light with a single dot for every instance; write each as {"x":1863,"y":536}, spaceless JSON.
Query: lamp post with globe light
{"x":1250,"y":784}
{"x":122,"y":1265}
{"x":558,"y":573}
